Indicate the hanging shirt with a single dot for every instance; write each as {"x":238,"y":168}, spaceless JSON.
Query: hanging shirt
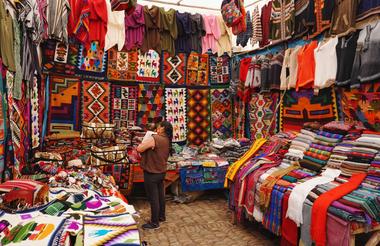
{"x":243,"y":37}
{"x":345,"y":50}
{"x":152,"y":29}
{"x":209,"y":41}
{"x":183,"y":42}
{"x":168,"y":30}
{"x":325,"y":64}
{"x":57,"y":15}
{"x":197,"y":32}
{"x":344,"y":17}
{"x":282,"y":20}
{"x":306,"y":66}
{"x":134,"y":28}
{"x":256,"y":27}
{"x":320,"y":15}
{"x":303,"y":13}
{"x":224,"y":44}
{"x":98,"y":22}
{"x":6,"y":37}
{"x":266,"y":12}
{"x":115,"y":28}
{"x":290,"y":68}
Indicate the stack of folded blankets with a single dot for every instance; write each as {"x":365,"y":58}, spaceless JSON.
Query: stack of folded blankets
{"x":373,"y":177}
{"x":299,"y":145}
{"x":362,"y":154}
{"x":319,"y":151}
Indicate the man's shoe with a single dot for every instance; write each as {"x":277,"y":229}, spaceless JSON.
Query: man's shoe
{"x":150,"y":226}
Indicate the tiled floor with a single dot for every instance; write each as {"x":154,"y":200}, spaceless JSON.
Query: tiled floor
{"x":206,"y":221}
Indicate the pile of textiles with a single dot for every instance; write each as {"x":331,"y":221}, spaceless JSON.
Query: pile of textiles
{"x":230,"y":149}
{"x":273,"y":189}
{"x":362,"y":153}
{"x":321,"y":146}
{"x":72,"y":217}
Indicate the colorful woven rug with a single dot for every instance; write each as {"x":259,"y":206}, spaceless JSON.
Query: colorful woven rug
{"x":175,"y":104}
{"x":262,"y":114}
{"x":239,"y":112}
{"x":303,"y":106}
{"x":96,"y":102}
{"x":173,"y":68}
{"x":219,"y":69}
{"x":59,"y":58}
{"x":148,"y":67}
{"x":198,"y":116}
{"x":110,"y":230}
{"x":3,"y":132}
{"x":35,"y":121}
{"x":92,"y":63}
{"x":362,"y":105}
{"x":122,"y":65}
{"x":150,"y":104}
{"x":221,"y":113}
{"x":64,"y":107}
{"x":197,"y":69}
{"x":124,"y":107}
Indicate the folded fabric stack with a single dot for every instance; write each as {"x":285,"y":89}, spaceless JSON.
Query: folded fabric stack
{"x":361,"y":155}
{"x":319,"y":151}
{"x":299,"y":145}
{"x":229,"y":149}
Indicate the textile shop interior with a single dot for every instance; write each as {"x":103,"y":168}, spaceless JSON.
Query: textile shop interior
{"x":274,"y":107}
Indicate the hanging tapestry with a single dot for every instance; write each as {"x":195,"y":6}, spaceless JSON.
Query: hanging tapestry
{"x":221,"y":113}
{"x":118,"y":229}
{"x":35,"y":114}
{"x":3,"y":122}
{"x":59,"y":57}
{"x":175,"y":101}
{"x":299,"y":107}
{"x":122,"y":174}
{"x":150,"y":104}
{"x":262,"y":114}
{"x":92,"y":63}
{"x":29,"y":229}
{"x":18,"y":126}
{"x":197,"y":69}
{"x":219,"y":69}
{"x":198,"y":116}
{"x":64,"y":107}
{"x":122,"y":65}
{"x":173,"y":68}
{"x":96,"y":102}
{"x":362,"y":105}
{"x":124,"y":107}
{"x":148,"y":67}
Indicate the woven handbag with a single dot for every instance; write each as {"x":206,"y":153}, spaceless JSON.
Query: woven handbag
{"x":98,"y":131}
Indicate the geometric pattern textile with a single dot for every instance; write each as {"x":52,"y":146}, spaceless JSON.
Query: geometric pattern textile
{"x":262,"y":114}
{"x":148,"y":67}
{"x":35,"y":114}
{"x":59,"y":58}
{"x":299,"y":107}
{"x":96,"y":102}
{"x":122,"y":174}
{"x":122,"y":65}
{"x":221,"y":113}
{"x":197,"y":69}
{"x":120,"y":229}
{"x":362,"y":105}
{"x":173,"y":68}
{"x":92,"y":63}
{"x":124,"y":106}
{"x":198,"y":116}
{"x":64,"y":107}
{"x":150,"y":104}
{"x":219,"y":69}
{"x":175,"y":104}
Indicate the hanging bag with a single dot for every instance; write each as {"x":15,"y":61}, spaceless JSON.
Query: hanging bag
{"x":231,"y":12}
{"x":240,"y":26}
{"x":108,"y":156}
{"x":98,"y":131}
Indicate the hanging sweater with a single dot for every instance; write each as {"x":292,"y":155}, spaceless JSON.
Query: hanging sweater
{"x":168,"y":30}
{"x":134,"y":28}
{"x":183,"y":42}
{"x":266,"y":12}
{"x":115,"y":28}
{"x":197,"y":32}
{"x":57,"y":14}
{"x":152,"y":29}
{"x":282,"y":20}
{"x":98,"y":22}
{"x":256,"y":27}
{"x":224,"y":42}
{"x":244,"y":37}
{"x":209,"y":41}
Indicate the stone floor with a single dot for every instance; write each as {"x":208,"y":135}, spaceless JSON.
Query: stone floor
{"x":206,"y":221}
